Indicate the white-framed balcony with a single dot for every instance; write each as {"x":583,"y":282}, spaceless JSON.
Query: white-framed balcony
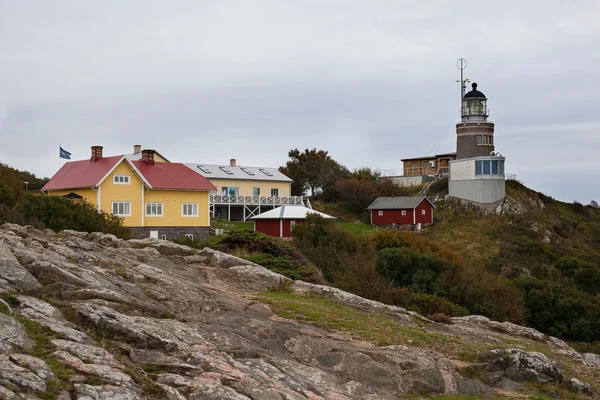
{"x":251,"y":205}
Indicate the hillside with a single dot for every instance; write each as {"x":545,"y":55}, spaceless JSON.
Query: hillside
{"x":89,"y":316}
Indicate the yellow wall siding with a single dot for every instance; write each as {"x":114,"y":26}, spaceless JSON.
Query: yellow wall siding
{"x":88,"y":194}
{"x":158,"y":158}
{"x":110,"y":192}
{"x":171,"y":201}
{"x":246,"y":186}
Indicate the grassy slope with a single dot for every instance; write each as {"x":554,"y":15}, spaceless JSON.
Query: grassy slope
{"x":516,"y":241}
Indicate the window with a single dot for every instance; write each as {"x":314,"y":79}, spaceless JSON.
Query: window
{"x":501,"y":167}
{"x":422,"y":212}
{"x":274,"y":192}
{"x":163,"y":236}
{"x":121,"y":208}
{"x":230,"y":191}
{"x":255,"y":192}
{"x":479,"y":139}
{"x":380,"y":213}
{"x":189,"y":209}
{"x":403,"y":212}
{"x":121,"y":179}
{"x":189,"y":236}
{"x":478,"y":168}
{"x":486,"y":167}
{"x":154,"y":209}
{"x":292,"y":225}
{"x":494,"y":167}
{"x":226,"y":170}
{"x":264,"y":171}
{"x":204,"y":169}
{"x":246,"y":170}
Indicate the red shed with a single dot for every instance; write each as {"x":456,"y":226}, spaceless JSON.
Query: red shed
{"x":280,"y":221}
{"x":401,"y":210}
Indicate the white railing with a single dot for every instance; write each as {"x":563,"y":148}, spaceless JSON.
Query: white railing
{"x":510,"y":177}
{"x":417,"y":171}
{"x":256,"y":200}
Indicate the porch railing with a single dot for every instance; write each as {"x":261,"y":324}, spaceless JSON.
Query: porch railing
{"x":256,"y":200}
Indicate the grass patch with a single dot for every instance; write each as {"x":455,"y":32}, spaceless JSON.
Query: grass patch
{"x":330,"y":315}
{"x":357,"y":228}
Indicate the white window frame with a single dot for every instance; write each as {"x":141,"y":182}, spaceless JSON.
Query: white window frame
{"x":274,"y":192}
{"x":126,"y":179}
{"x":422,"y":212}
{"x":256,"y":188}
{"x":120,"y":202}
{"x":292,"y":225}
{"x":380,"y":213}
{"x":194,"y":208}
{"x":163,"y":236}
{"x":403,"y":212}
{"x":189,"y":236}
{"x":162,"y":208}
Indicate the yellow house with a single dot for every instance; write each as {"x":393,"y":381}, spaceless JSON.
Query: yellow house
{"x":155,"y":197}
{"x":242,"y":191}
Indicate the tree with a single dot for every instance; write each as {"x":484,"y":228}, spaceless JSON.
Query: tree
{"x":314,"y":171}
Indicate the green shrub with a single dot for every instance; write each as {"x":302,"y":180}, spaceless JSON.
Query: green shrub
{"x":426,"y":304}
{"x":405,"y":267}
{"x":285,"y":267}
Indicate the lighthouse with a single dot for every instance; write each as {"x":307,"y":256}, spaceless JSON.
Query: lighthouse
{"x":477,"y":174}
{"x":474,"y":134}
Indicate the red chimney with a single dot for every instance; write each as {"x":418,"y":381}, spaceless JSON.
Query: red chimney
{"x":96,"y":153}
{"x":148,"y":156}
{"x":232,"y":162}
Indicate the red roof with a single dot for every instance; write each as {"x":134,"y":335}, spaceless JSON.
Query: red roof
{"x":174,"y":176}
{"x":81,"y":174}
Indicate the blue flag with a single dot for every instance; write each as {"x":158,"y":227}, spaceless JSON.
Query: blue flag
{"x":64,"y":153}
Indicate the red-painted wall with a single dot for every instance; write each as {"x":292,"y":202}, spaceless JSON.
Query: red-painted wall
{"x":268,"y":226}
{"x":392,"y":217}
{"x":271,"y":226}
{"x":287,"y":226}
{"x":395,"y":216}
{"x":426,"y":218}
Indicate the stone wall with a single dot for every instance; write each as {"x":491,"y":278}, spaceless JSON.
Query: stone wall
{"x":172,"y":232}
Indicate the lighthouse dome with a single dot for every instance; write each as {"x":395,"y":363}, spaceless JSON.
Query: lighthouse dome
{"x":475,"y":93}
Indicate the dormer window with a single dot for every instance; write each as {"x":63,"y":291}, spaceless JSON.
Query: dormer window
{"x":226,"y":170}
{"x":121,"y":179}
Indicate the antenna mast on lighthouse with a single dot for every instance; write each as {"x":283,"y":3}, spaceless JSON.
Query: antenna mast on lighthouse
{"x":462,"y":65}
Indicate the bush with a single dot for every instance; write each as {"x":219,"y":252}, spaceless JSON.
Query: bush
{"x":440,"y":317}
{"x":286,"y":267}
{"x":58,"y":214}
{"x":406,"y":268}
{"x":425,"y":304}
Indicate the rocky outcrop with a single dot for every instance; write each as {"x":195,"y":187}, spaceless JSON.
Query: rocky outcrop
{"x":90,"y":316}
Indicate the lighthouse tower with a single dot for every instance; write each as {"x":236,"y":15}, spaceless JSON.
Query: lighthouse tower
{"x":474,"y":134}
{"x":477,"y":174}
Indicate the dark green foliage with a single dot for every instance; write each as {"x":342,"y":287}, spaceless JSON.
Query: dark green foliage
{"x":285,"y":267}
{"x":426,"y":304}
{"x":29,"y":208}
{"x":314,"y":170}
{"x":57,"y":213}
{"x":405,"y":267}
{"x":272,"y":253}
{"x":561,"y":311}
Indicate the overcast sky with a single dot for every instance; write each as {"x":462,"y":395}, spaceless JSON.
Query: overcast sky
{"x":370,"y":81}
